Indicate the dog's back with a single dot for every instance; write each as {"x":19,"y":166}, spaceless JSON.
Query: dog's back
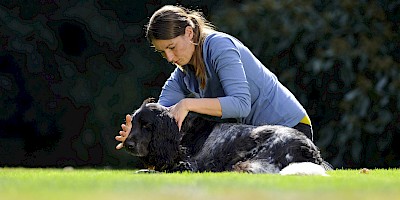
{"x":271,"y":147}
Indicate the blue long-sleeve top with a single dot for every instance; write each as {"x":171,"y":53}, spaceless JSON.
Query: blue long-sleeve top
{"x":246,"y":89}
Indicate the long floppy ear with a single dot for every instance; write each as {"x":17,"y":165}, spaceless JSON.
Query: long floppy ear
{"x":164,"y":145}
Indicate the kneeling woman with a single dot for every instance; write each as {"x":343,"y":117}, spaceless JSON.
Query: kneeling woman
{"x":217,"y":75}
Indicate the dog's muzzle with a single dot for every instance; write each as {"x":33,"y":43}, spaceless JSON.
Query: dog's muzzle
{"x":135,"y":148}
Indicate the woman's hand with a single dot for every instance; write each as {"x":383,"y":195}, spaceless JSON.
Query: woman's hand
{"x":179,"y":111}
{"x":126,"y":129}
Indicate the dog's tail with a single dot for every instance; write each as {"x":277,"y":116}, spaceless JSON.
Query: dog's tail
{"x":304,"y":169}
{"x":327,"y":166}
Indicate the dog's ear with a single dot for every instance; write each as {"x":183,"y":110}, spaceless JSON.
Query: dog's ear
{"x":164,"y":146}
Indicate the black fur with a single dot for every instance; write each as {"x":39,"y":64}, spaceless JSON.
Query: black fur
{"x":205,"y":144}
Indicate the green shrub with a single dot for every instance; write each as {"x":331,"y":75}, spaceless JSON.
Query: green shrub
{"x":341,"y":59}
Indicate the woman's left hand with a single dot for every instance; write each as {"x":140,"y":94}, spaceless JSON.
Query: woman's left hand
{"x":179,"y":111}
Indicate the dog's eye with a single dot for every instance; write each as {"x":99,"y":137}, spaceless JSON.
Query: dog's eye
{"x":146,"y":126}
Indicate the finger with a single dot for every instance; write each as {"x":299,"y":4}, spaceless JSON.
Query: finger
{"x":120,"y":138}
{"x":124,"y":128}
{"x":179,"y":125}
{"x":128,"y":120}
{"x":119,"y":146}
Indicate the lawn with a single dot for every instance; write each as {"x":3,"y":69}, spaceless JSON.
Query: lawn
{"x":21,"y":183}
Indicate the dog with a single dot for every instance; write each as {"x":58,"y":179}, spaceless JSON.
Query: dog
{"x":205,"y":144}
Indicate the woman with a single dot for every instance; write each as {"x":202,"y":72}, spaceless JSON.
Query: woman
{"x":216,"y":75}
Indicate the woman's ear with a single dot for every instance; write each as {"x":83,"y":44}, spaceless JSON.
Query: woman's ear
{"x":189,"y":32}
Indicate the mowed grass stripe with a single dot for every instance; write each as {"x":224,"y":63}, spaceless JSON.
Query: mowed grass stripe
{"x":21,"y":183}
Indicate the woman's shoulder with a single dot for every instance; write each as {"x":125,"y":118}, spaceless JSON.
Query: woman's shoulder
{"x":219,"y":42}
{"x":217,"y":37}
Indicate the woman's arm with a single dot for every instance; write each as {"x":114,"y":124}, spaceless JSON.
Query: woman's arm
{"x":173,"y":90}
{"x":208,"y":106}
{"x":224,"y":58}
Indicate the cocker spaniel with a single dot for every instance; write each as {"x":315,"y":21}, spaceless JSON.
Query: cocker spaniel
{"x":205,"y":144}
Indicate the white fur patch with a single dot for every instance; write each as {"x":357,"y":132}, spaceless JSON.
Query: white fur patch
{"x":303,"y":169}
{"x":289,"y":157}
{"x":259,"y":167}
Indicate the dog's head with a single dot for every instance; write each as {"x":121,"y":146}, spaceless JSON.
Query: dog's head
{"x":154,"y":135}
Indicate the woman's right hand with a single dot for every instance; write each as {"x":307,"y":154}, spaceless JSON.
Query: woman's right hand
{"x":126,"y":129}
{"x":179,"y":111}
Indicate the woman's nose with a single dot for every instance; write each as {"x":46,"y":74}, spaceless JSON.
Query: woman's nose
{"x":169,"y":55}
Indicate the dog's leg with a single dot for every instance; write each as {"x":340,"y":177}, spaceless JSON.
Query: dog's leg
{"x":255,"y":166}
{"x":146,"y":171}
{"x":183,"y":166}
{"x":149,"y":170}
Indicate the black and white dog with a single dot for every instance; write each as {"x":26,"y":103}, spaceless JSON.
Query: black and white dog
{"x":204,"y":144}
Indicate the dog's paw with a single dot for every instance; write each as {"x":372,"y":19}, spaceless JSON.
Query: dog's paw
{"x":183,"y":166}
{"x":242,"y":167}
{"x":146,"y":171}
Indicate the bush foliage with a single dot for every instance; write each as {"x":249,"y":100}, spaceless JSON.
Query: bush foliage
{"x":66,"y":83}
{"x":342,"y":61}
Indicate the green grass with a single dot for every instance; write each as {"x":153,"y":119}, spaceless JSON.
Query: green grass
{"x":21,"y":183}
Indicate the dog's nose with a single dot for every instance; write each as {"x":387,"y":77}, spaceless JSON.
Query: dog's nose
{"x":130,"y":145}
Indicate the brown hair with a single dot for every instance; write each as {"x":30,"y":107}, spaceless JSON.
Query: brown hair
{"x":171,"y":21}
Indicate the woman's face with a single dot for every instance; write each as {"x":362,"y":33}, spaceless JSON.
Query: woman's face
{"x":178,"y":50}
